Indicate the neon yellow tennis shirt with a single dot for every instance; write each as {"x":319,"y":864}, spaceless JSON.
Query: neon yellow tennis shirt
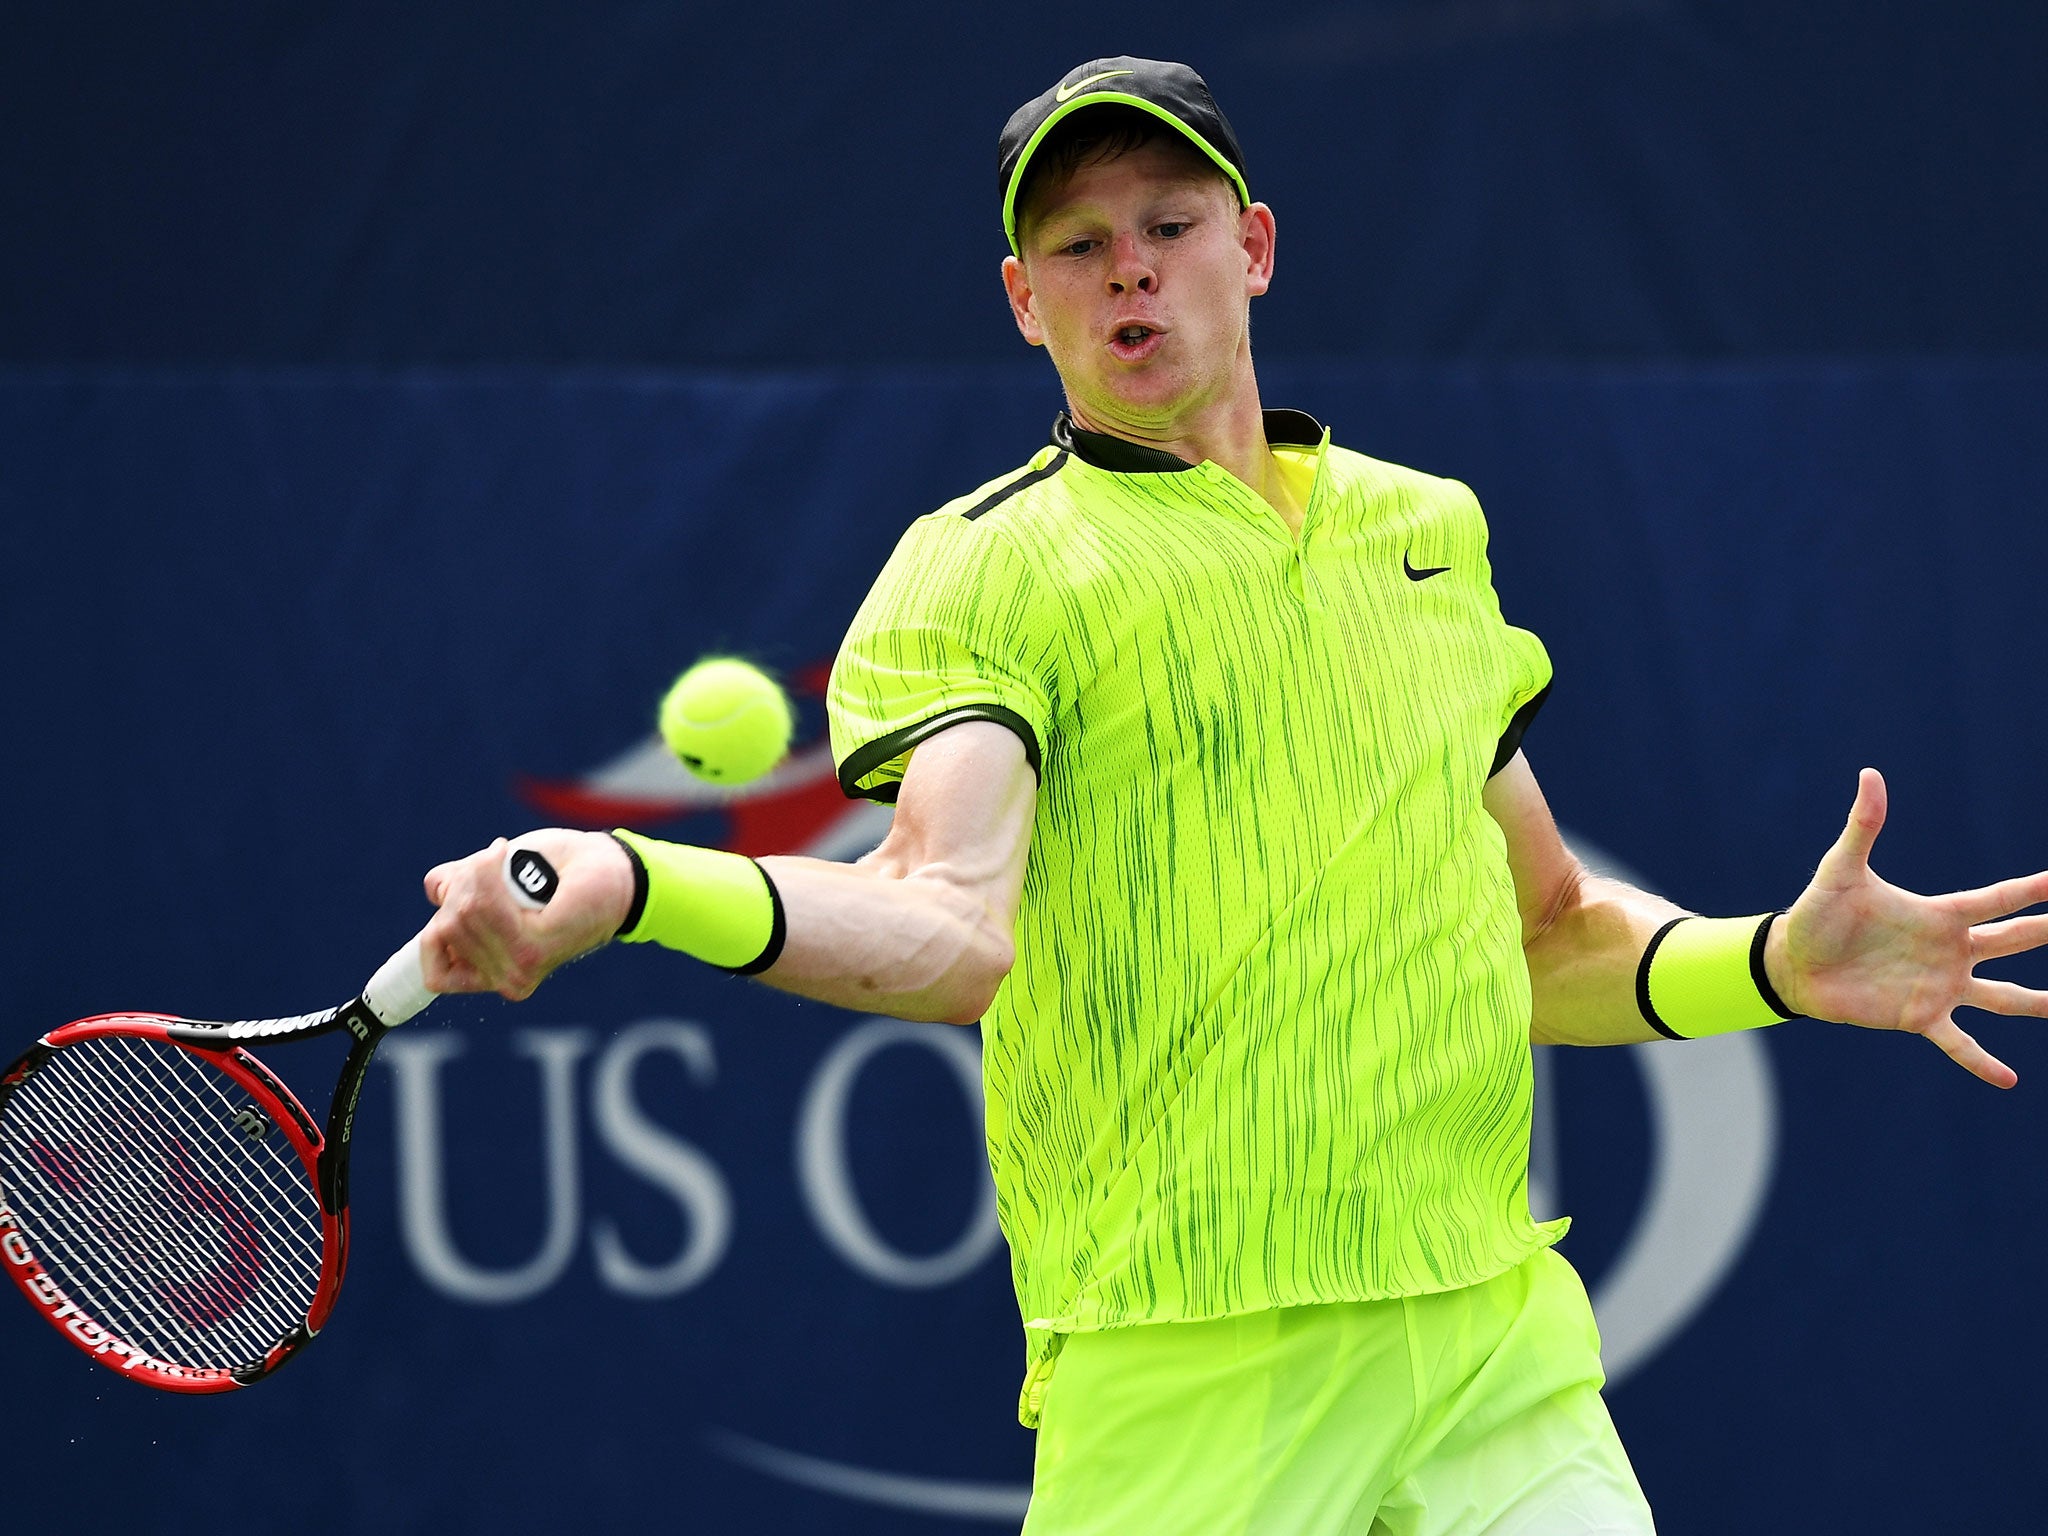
{"x":1266,"y":1042}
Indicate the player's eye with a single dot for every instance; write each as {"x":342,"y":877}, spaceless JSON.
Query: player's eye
{"x":1172,"y":230}
{"x":1079,"y":247}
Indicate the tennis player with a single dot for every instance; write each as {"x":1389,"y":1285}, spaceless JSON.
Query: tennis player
{"x":1204,"y":736}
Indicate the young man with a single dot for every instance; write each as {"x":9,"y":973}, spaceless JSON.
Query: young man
{"x":1204,"y":738}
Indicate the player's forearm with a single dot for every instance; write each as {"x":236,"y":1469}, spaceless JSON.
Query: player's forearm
{"x":920,"y":928}
{"x":1583,"y":959}
{"x":908,"y":943}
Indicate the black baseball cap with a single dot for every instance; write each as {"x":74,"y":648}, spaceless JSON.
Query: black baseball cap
{"x":1173,"y":93}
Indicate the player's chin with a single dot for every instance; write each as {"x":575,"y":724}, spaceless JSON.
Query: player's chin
{"x":1148,"y":389}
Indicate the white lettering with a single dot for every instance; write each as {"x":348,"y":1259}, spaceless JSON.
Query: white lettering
{"x":689,"y":1178}
{"x":826,"y":1178}
{"x":422,"y":1192}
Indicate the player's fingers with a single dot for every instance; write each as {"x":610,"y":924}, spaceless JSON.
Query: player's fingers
{"x":2004,"y":997}
{"x":437,"y":882}
{"x":1866,"y":818}
{"x":2007,"y":896}
{"x":1970,"y":1056}
{"x":444,"y":877}
{"x":1994,"y":941}
{"x":445,"y":970}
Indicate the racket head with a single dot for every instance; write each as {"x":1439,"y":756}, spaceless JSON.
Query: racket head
{"x":161,"y":1202}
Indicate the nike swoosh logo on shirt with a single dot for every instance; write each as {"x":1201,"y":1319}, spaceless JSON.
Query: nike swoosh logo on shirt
{"x":1068,"y":92}
{"x":1424,"y":573}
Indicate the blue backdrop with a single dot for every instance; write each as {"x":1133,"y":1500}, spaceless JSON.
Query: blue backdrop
{"x":390,"y":403}
{"x":284,"y":641}
{"x":661,"y":182}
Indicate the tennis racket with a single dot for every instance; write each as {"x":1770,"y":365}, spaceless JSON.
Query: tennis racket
{"x":167,"y":1203}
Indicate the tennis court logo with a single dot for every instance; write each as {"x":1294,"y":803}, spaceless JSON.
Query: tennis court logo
{"x":585,"y":1086}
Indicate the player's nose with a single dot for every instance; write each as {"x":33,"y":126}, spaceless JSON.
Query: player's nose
{"x":1130,"y":266}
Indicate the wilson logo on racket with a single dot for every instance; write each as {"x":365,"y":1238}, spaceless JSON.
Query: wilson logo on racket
{"x":531,"y":875}
{"x":251,"y":1121}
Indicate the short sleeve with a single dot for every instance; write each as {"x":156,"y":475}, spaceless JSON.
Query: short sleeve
{"x":1523,"y":662}
{"x":1529,"y":670}
{"x":950,"y":632}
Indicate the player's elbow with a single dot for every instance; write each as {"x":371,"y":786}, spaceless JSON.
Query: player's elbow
{"x":974,"y":980}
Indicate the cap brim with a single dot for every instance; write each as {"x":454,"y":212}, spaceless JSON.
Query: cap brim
{"x":1067,"y":109}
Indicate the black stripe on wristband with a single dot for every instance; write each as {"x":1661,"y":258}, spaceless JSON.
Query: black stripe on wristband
{"x":1643,"y":983}
{"x":778,"y":931}
{"x":639,"y":908}
{"x":1759,"y":975}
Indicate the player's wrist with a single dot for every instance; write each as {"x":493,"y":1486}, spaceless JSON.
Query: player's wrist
{"x":720,"y":907}
{"x":1777,"y":963}
{"x":1710,"y":976}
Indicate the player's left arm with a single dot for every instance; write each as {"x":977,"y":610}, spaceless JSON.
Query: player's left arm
{"x":1582,"y":933}
{"x":1853,"y":948}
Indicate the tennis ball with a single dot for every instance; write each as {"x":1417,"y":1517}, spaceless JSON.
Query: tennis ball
{"x":727,"y":720}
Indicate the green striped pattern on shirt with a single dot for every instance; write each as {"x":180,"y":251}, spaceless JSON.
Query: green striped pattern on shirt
{"x":1266,"y":1041}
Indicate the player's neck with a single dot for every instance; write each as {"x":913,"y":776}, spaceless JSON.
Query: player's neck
{"x":1231,"y":435}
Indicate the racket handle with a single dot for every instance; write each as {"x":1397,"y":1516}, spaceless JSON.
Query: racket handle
{"x":399,"y":990}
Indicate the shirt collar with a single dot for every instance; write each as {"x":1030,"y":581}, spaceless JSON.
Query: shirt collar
{"x":1285,"y":429}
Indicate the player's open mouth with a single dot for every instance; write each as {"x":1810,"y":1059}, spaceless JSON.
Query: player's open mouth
{"x":1134,"y":341}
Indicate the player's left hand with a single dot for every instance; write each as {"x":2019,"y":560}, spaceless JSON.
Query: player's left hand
{"x":1856,"y":950}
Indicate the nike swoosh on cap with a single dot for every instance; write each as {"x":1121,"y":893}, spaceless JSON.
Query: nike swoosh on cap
{"x":1068,"y":92}
{"x":1424,"y":573}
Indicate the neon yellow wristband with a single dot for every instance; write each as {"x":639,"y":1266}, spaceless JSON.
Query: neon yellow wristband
{"x":720,"y":907}
{"x":1705,"y":976}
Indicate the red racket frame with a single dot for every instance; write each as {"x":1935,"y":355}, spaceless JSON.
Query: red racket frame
{"x":285,"y":1112}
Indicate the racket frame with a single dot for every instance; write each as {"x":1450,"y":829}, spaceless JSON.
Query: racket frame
{"x":322,"y":1154}
{"x":397,"y":992}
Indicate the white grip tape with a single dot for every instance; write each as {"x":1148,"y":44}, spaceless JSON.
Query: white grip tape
{"x":399,"y":989}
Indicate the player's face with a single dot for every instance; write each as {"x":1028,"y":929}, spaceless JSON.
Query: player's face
{"x":1137,"y":277}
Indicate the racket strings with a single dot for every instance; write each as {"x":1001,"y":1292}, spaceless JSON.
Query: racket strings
{"x":283,"y":1187}
{"x":218,"y":1280}
{"x":180,"y":1251}
{"x":196,"y":1196}
{"x":155,"y":1211}
{"x":140,"y":1242}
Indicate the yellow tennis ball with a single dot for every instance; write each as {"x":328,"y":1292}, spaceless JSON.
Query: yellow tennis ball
{"x":727,"y":720}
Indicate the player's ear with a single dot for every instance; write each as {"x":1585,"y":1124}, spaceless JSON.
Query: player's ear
{"x":1018,"y":287}
{"x":1257,"y":231}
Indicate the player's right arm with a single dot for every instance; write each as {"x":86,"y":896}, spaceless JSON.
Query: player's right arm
{"x":921,"y":928}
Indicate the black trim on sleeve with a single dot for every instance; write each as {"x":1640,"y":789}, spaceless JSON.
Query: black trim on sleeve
{"x":778,"y":931}
{"x":864,"y":760}
{"x":639,"y":908}
{"x":1511,"y":738}
{"x":1003,"y":493}
{"x":1759,"y":975}
{"x":1643,"y":983}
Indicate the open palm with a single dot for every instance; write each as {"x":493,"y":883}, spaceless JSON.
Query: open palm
{"x":1858,"y":950}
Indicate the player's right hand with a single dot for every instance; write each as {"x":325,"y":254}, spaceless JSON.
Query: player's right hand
{"x":483,"y":940}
